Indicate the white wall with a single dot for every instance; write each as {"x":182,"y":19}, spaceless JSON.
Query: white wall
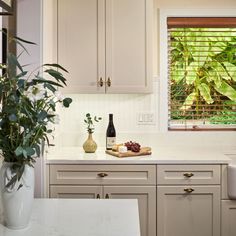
{"x":125,"y":108}
{"x":28,"y":28}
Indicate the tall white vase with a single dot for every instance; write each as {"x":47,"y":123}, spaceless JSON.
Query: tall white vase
{"x":17,"y":203}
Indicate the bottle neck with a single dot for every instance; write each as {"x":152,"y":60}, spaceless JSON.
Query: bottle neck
{"x":110,"y":118}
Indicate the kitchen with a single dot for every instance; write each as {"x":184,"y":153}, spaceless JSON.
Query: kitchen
{"x":179,"y":149}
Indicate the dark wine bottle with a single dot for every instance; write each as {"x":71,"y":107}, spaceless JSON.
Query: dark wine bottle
{"x":111,"y":134}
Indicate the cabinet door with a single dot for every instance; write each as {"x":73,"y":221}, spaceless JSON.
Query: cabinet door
{"x":81,"y":43}
{"x":77,"y":192}
{"x":228,"y":220}
{"x":180,"y":213}
{"x":146,"y":196}
{"x":128,"y":45}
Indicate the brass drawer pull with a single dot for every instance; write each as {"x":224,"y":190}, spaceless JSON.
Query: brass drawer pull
{"x":107,"y":196}
{"x":100,"y":82}
{"x":109,"y":82}
{"x":188,"y":190}
{"x":102,"y":175}
{"x":98,"y":196}
{"x":188,"y":175}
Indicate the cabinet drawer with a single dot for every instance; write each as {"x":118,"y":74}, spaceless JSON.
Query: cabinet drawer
{"x":188,"y":174}
{"x":103,"y":174}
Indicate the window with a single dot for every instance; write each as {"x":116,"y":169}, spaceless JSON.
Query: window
{"x":202,"y":73}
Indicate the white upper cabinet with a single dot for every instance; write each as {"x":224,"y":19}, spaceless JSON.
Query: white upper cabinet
{"x":128,"y":45}
{"x":106,"y":45}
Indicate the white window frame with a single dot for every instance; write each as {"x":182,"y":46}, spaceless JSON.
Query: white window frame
{"x":163,"y":55}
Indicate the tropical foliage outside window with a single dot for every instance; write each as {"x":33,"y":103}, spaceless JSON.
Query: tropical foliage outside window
{"x":202,"y":76}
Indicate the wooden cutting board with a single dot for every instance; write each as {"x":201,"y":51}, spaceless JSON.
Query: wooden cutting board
{"x":143,"y":152}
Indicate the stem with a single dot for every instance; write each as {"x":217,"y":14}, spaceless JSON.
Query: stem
{"x":35,"y":137}
{"x":33,"y":72}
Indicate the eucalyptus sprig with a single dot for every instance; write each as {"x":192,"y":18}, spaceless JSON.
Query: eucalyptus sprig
{"x":89,"y":121}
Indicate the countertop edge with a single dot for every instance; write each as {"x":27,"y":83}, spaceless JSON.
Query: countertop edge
{"x":138,"y":162}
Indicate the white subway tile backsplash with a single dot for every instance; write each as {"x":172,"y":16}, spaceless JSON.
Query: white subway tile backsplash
{"x":72,"y":131}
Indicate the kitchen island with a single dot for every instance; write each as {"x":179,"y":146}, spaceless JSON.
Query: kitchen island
{"x":72,"y":217}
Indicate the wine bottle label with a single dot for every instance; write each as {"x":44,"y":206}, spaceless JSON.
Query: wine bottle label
{"x":111,"y":141}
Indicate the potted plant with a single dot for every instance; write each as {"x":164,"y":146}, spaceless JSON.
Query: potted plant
{"x":90,"y":145}
{"x":28,"y":104}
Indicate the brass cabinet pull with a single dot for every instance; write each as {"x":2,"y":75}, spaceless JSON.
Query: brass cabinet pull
{"x":98,"y":196}
{"x":188,"y":190}
{"x":107,"y":196}
{"x":188,"y":175}
{"x":108,"y":82}
{"x":100,"y":82}
{"x":102,"y":175}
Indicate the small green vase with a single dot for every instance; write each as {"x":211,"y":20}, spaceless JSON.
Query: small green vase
{"x":90,"y":145}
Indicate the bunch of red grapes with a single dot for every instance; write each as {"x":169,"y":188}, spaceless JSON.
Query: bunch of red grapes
{"x":133,"y":146}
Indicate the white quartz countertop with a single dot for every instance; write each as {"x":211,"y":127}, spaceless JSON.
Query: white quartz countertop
{"x":81,"y":217}
{"x":161,"y":155}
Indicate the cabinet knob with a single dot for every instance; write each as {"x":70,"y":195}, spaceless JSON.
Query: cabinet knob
{"x":98,"y":196}
{"x":188,"y":175}
{"x":107,"y":196}
{"x":102,"y":175}
{"x":100,"y":82}
{"x":188,"y":190}
{"x":108,"y":82}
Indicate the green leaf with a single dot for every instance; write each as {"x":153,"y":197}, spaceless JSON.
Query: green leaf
{"x":228,"y":67}
{"x":57,"y":75}
{"x":188,"y":102}
{"x":226,"y":90}
{"x":41,"y":80}
{"x":23,"y":40}
{"x":21,"y":83}
{"x":57,"y":66}
{"x":67,"y":102}
{"x":214,"y":76}
{"x":42,"y":115}
{"x":205,"y":93}
{"x":37,"y":149}
{"x":24,"y":153}
{"x":12,"y":61}
{"x":30,"y":151}
{"x":19,"y":151}
{"x":50,"y":87}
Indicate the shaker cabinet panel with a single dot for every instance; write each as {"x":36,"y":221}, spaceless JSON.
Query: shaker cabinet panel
{"x":184,"y":210}
{"x":77,"y":192}
{"x":188,"y":174}
{"x":146,"y":196}
{"x":80,"y":33}
{"x":128,"y":45}
{"x":103,"y":174}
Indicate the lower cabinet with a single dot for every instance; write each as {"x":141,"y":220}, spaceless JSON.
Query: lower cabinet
{"x":174,"y":200}
{"x":146,"y":196}
{"x":228,"y":218}
{"x":188,"y":210}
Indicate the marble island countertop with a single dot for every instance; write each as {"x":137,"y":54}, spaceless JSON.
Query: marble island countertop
{"x":161,"y":155}
{"x":85,"y":217}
